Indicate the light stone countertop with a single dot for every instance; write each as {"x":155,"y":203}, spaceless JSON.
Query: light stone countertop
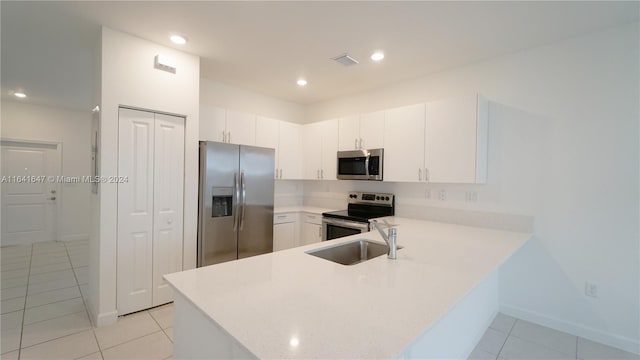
{"x":374,"y":309}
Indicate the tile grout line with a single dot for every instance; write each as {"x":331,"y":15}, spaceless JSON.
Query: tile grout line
{"x":160,"y":326}
{"x":134,"y":339}
{"x":541,"y":345}
{"x":24,"y":308}
{"x":84,"y":305}
{"x":55,"y":302}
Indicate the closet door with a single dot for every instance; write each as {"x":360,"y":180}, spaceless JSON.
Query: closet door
{"x":168,"y":196}
{"x":135,"y":210}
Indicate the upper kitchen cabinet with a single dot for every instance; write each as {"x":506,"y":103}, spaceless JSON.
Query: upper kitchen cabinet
{"x":213,"y":124}
{"x":349,"y":133}
{"x":361,"y":132}
{"x":455,"y":148}
{"x":372,"y":130}
{"x":289,"y":156}
{"x":241,"y":128}
{"x":284,"y":137}
{"x":319,"y":150}
{"x":217,"y":124}
{"x":404,"y":143}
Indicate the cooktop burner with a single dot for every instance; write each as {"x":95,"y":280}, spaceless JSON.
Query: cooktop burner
{"x":365,"y":206}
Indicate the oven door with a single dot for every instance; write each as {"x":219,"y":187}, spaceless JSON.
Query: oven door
{"x":336,"y":228}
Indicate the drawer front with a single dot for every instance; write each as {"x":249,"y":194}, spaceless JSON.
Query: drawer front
{"x":312,"y":218}
{"x":284,"y":218}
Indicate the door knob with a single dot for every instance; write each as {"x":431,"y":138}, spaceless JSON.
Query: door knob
{"x":169,"y":221}
{"x":52,"y":198}
{"x":53,"y":191}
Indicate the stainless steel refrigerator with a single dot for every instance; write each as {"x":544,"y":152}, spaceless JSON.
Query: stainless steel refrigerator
{"x":235,"y":202}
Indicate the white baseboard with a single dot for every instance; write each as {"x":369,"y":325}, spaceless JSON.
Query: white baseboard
{"x":107,"y":318}
{"x":74,"y":237}
{"x":613,"y":340}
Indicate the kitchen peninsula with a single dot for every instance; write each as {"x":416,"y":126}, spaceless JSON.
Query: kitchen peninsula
{"x":435,"y":300}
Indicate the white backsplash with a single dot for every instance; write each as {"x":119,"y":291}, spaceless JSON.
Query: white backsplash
{"x":412,"y":202}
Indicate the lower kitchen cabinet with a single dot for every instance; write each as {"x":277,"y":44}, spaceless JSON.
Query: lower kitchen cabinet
{"x":311,"y":229}
{"x":285,"y":231}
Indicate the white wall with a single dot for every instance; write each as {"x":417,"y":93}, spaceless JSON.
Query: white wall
{"x":216,"y":94}
{"x":25,"y":121}
{"x":129,"y":78}
{"x":564,"y":148}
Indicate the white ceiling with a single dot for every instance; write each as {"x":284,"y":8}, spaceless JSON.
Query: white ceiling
{"x":266,"y":46}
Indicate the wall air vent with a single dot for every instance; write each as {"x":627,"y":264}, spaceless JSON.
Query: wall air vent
{"x":346,"y":60}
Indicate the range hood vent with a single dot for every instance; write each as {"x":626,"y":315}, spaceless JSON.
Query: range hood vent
{"x":346,"y":60}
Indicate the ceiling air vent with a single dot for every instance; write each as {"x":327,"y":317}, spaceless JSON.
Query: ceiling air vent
{"x":345,"y":60}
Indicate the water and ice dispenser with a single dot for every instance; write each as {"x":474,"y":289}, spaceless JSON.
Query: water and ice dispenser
{"x":222,"y":201}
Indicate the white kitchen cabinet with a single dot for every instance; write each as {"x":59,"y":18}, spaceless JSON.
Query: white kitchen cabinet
{"x":312,"y":151}
{"x":213,"y":124}
{"x":329,"y":131}
{"x":311,"y":229}
{"x":372,"y":130}
{"x":150,"y":207}
{"x":285,"y":231}
{"x":361,"y":132}
{"x":349,"y":133}
{"x":284,"y":137}
{"x":289,"y":156}
{"x":456,"y":140}
{"x":404,"y":143}
{"x":217,"y":124}
{"x":241,"y":128}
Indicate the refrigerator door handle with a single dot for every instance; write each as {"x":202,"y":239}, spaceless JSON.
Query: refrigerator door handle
{"x":244,"y":199}
{"x":236,"y":191}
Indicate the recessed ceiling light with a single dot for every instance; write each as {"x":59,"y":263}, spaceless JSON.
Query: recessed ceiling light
{"x":301,"y":82}
{"x":177,"y":39}
{"x":377,"y":56}
{"x":20,"y":95}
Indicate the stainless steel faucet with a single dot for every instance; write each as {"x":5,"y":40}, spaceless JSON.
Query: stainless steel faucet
{"x":390,"y":238}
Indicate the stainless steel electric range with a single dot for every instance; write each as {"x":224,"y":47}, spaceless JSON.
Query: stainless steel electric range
{"x":362,"y":208}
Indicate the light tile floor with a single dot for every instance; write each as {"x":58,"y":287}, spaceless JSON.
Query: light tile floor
{"x":44,"y":315}
{"x":510,"y":338}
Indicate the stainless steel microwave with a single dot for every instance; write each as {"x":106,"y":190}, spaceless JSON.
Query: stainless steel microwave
{"x":360,"y":164}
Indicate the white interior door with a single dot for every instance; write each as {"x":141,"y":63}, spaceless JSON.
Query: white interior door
{"x":28,"y":196}
{"x":168,"y":197}
{"x":135,"y":210}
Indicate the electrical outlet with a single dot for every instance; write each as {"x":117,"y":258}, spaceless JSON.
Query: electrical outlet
{"x":427,"y":194}
{"x":442,"y":195}
{"x":471,"y":196}
{"x":591,"y":289}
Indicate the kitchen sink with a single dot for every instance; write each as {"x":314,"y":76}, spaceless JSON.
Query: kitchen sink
{"x":353,"y":252}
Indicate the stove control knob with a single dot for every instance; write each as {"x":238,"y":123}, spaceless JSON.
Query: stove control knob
{"x":387,"y":198}
{"x":377,"y":197}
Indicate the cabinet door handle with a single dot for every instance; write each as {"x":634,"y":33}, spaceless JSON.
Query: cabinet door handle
{"x":426,"y":174}
{"x":229,"y":139}
{"x":281,"y":216}
{"x":355,"y":145}
{"x":321,"y":173}
{"x":419,"y":174}
{"x":280,"y":173}
{"x":361,"y":143}
{"x":276,"y":174}
{"x":224,"y":136}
